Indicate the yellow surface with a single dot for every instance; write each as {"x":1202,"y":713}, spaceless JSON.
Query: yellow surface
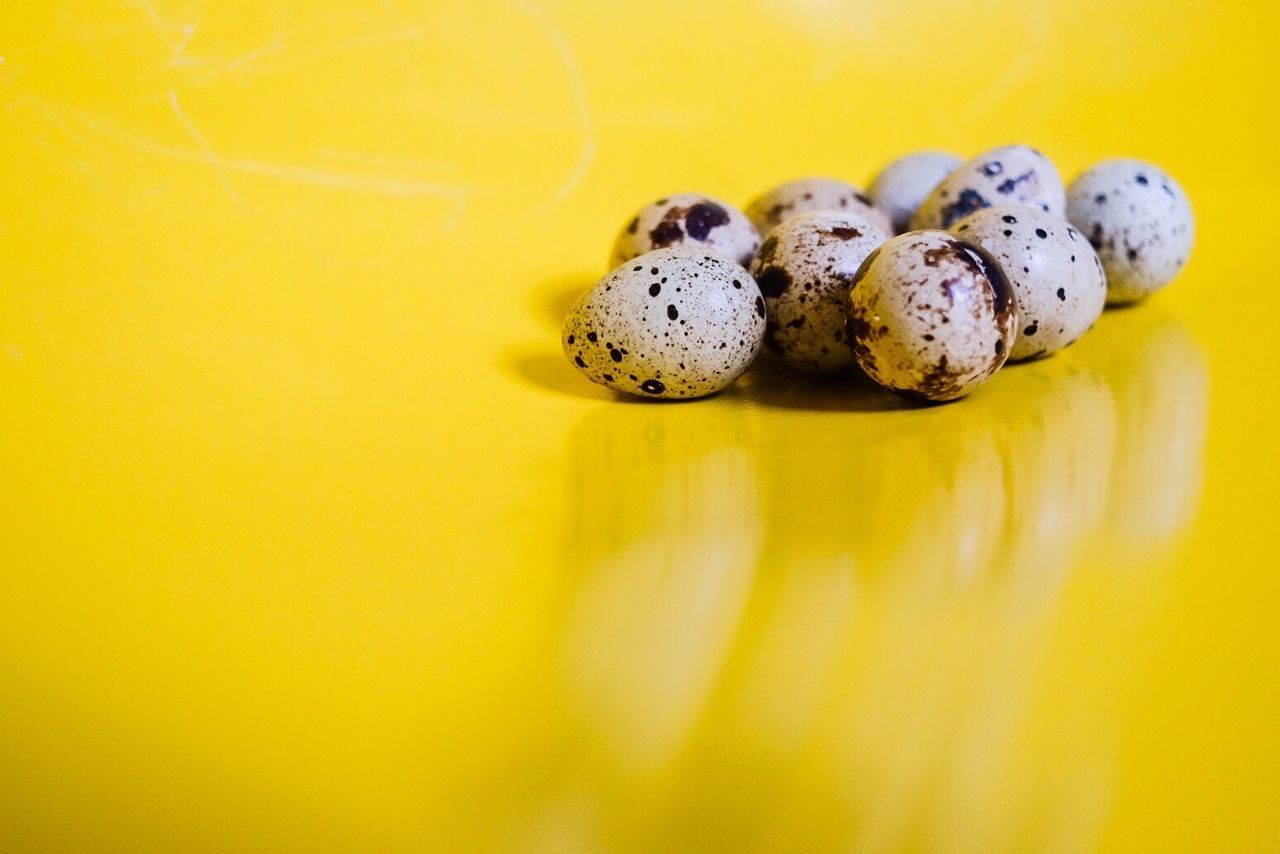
{"x":313,"y":542}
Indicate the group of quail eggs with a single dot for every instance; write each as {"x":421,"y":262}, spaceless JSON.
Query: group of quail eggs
{"x":993,"y":260}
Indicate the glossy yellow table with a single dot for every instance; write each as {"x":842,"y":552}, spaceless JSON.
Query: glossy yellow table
{"x":312,"y":541}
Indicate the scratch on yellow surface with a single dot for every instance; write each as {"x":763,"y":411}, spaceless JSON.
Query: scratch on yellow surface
{"x":581,"y":107}
{"x":210,"y":157}
{"x":1031,"y":50}
{"x":299,"y":174}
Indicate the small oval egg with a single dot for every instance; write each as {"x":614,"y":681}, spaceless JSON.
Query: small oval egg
{"x":673,"y":323}
{"x":1139,"y":221}
{"x":930,"y":317}
{"x":804,"y":269}
{"x":687,"y":219}
{"x":904,"y":184}
{"x":1056,"y":276}
{"x":776,"y":206}
{"x":1011,"y":175}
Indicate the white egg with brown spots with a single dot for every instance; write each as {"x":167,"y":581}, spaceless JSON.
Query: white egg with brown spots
{"x":673,"y":323}
{"x":930,"y":317}
{"x":804,"y":269}
{"x":1139,"y":221}
{"x":903,"y":185}
{"x":687,"y":219}
{"x":779,"y":204}
{"x":1056,"y":276}
{"x":1011,"y":175}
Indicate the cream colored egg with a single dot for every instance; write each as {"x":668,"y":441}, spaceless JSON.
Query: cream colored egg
{"x":903,"y":185}
{"x":1056,"y":276}
{"x":930,"y":316}
{"x":680,"y":322}
{"x":779,"y":204}
{"x":1138,"y":219}
{"x":804,"y":269}
{"x":687,"y":219}
{"x":1011,"y":175}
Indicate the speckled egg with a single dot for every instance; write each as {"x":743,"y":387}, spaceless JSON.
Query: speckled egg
{"x":931,"y":317}
{"x":687,"y":219}
{"x":1056,"y":276}
{"x":903,"y":185}
{"x":1139,"y":221}
{"x":811,"y":194}
{"x":1012,"y":175}
{"x":804,"y":269}
{"x":673,"y":323}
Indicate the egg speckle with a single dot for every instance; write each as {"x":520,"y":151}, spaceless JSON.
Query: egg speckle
{"x":904,"y":184}
{"x":1012,"y":175}
{"x":930,"y":317}
{"x":804,"y":270}
{"x":776,"y":206}
{"x":1056,"y":276}
{"x":1139,"y":221}
{"x":687,"y":219}
{"x":674,"y":323}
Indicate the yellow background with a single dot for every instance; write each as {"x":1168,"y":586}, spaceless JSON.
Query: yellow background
{"x":312,"y":541}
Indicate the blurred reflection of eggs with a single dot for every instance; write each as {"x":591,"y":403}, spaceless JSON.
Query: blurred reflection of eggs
{"x":665,"y":531}
{"x":863,"y":600}
{"x":1158,"y":377}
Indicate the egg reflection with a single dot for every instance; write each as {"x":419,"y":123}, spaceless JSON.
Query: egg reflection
{"x":666,"y":529}
{"x":1161,"y":387}
{"x":842,"y":622}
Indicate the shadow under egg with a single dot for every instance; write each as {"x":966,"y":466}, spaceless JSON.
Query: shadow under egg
{"x":770,"y":382}
{"x":550,"y":371}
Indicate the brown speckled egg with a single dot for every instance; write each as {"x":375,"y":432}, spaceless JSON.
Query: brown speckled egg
{"x":1012,"y":175}
{"x":905,"y":183}
{"x":930,"y":317}
{"x":673,"y":323}
{"x":804,"y":269}
{"x":811,"y":194}
{"x":1138,"y":219}
{"x":687,"y":219}
{"x":1056,"y":276}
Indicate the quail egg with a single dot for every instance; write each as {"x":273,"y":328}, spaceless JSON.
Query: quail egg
{"x":901,"y":186}
{"x":1056,"y":276}
{"x":930,"y":317}
{"x":804,"y":269}
{"x":811,"y":194}
{"x":1012,"y":175}
{"x":1139,"y":221}
{"x":687,"y":219}
{"x":679,"y":322}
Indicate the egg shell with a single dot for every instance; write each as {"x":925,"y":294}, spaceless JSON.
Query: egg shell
{"x":931,"y":317}
{"x":1011,"y":175}
{"x":674,"y":323}
{"x":776,"y":206}
{"x":1056,"y":276}
{"x":804,"y":269}
{"x":1138,"y":219}
{"x":903,"y":185}
{"x":687,"y":219}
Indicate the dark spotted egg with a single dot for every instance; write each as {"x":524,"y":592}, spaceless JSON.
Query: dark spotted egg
{"x":1139,"y":221}
{"x":804,"y":269}
{"x":680,"y":322}
{"x":811,"y":194}
{"x":904,"y":184}
{"x":1056,"y":276}
{"x":687,"y":219}
{"x":1012,"y":175}
{"x":930,"y":317}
